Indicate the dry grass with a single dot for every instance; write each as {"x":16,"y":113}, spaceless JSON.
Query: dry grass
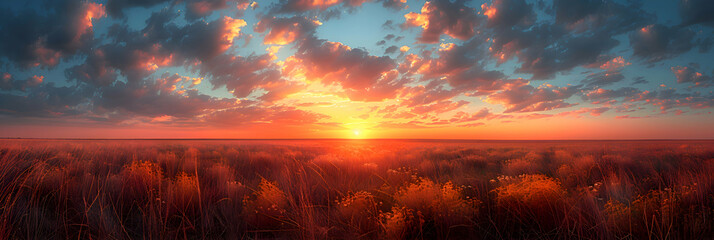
{"x":356,"y":189}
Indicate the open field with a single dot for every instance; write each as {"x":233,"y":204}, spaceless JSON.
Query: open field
{"x":306,"y":189}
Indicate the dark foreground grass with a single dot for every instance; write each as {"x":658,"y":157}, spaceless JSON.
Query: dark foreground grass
{"x":343,"y":189}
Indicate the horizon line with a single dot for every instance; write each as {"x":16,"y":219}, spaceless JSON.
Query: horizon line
{"x":358,"y":139}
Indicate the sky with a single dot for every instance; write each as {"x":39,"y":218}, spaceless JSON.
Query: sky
{"x":447,"y":69}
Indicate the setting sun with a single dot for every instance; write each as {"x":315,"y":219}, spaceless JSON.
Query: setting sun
{"x":346,"y":119}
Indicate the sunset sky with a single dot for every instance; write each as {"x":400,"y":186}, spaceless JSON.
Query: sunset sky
{"x":502,"y":69}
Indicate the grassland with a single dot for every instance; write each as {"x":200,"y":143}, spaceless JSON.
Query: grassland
{"x":354,"y":189}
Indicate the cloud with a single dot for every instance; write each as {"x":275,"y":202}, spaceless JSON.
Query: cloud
{"x":519,"y":96}
{"x":390,"y":50}
{"x":463,"y":117}
{"x":577,"y":38}
{"x":200,"y":8}
{"x":137,"y":54}
{"x":608,"y":16}
{"x":443,"y":18}
{"x":564,"y":55}
{"x":328,"y":9}
{"x":630,"y":117}
{"x":95,"y":70}
{"x":640,"y":80}
{"x":696,"y":12}
{"x":663,"y":99}
{"x":116,"y":7}
{"x":439,"y":107}
{"x":420,"y":95}
{"x":282,"y":31}
{"x":461,"y":66}
{"x":657,"y":42}
{"x":251,"y":114}
{"x":508,"y":13}
{"x":602,"y":79}
{"x":690,"y":75}
{"x":601,"y":95}
{"x":591,"y":111}
{"x":8,"y":83}
{"x":242,"y":76}
{"x":389,"y":25}
{"x":613,"y":64}
{"x":45,"y":101}
{"x":364,"y":77}
{"x":457,"y":56}
{"x":34,"y":39}
{"x":170,"y":95}
{"x":205,"y":41}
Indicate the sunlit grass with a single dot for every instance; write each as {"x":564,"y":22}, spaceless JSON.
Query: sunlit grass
{"x":345,"y":189}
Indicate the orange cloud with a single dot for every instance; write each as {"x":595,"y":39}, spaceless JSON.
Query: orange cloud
{"x":362,"y":76}
{"x":614,"y":64}
{"x":231,"y":30}
{"x":92,"y":11}
{"x":489,"y":11}
{"x":45,"y":55}
{"x":313,"y":4}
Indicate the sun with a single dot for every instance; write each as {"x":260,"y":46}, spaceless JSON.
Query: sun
{"x":356,"y":132}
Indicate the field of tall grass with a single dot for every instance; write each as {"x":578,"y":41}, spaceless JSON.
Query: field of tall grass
{"x":355,"y":189}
